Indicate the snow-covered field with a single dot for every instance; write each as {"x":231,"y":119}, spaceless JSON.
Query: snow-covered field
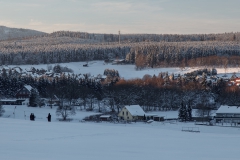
{"x":24,"y":139}
{"x":19,"y":112}
{"x":125,"y":71}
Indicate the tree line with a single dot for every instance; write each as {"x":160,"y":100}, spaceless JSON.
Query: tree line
{"x":162,"y":92}
{"x":126,"y":38}
{"x":143,"y":54}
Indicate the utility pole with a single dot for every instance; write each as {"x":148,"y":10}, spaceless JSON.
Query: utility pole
{"x":119,"y":36}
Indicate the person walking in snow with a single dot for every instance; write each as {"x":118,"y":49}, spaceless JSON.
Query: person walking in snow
{"x":49,"y":117}
{"x":31,"y":117}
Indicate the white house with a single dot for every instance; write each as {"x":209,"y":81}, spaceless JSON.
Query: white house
{"x":132,"y":112}
{"x":228,"y":114}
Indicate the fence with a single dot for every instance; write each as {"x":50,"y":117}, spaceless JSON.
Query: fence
{"x":190,"y":129}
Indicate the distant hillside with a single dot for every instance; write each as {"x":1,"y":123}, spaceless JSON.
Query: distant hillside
{"x":7,"y":33}
{"x":143,"y":50}
{"x":129,"y":38}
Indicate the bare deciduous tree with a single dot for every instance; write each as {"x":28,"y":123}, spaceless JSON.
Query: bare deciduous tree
{"x":65,"y":111}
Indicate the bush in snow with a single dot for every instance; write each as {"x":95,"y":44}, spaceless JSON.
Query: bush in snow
{"x":1,"y":110}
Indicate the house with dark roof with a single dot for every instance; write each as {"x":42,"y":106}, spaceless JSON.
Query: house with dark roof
{"x":24,"y":92}
{"x":21,"y":97}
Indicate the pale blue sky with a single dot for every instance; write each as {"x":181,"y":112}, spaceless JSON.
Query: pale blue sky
{"x":129,"y":16}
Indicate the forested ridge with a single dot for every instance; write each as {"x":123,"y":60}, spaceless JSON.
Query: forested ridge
{"x":144,"y":50}
{"x":148,"y":37}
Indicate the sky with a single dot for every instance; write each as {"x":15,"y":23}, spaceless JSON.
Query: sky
{"x":128,"y":16}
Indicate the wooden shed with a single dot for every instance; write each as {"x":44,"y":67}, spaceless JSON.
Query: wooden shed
{"x":105,"y":117}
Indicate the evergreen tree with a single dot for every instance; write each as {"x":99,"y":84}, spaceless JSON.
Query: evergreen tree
{"x":34,"y":98}
{"x":189,"y":112}
{"x":182,"y":112}
{"x":57,"y":69}
{"x":4,"y":73}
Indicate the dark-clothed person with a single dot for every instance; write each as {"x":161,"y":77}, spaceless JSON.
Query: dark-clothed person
{"x":32,"y":117}
{"x":49,"y":117}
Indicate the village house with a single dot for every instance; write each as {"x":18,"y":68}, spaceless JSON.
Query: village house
{"x":234,"y":81}
{"x":54,"y":101}
{"x":12,"y":101}
{"x":21,"y":97}
{"x":133,"y":113}
{"x":228,"y":114}
{"x":24,"y":92}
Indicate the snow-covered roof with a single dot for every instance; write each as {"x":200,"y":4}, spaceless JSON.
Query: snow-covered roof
{"x":56,"y":97}
{"x":26,"y":101}
{"x":228,"y":109}
{"x":17,"y":69}
{"x":8,"y":100}
{"x":28,"y":87}
{"x":135,"y":110}
{"x":105,"y":116}
{"x":154,"y":115}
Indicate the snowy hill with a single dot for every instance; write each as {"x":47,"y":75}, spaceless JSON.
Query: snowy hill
{"x":24,"y":139}
{"x":13,"y":33}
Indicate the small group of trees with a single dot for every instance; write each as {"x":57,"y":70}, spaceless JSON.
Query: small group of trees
{"x":59,"y":69}
{"x":111,"y":73}
{"x":209,"y":72}
{"x":185,"y":112}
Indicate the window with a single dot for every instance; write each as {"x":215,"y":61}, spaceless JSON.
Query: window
{"x":123,"y":113}
{"x":127,"y":113}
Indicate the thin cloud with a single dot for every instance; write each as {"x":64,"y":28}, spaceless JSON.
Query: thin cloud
{"x":129,"y":16}
{"x":112,"y":6}
{"x":7,"y":23}
{"x":35,"y":22}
